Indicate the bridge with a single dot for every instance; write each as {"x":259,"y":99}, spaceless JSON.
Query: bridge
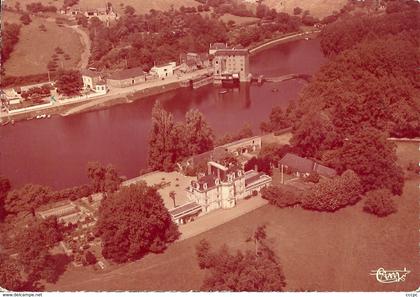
{"x":260,"y":79}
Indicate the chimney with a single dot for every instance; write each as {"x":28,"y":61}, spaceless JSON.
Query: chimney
{"x":209,"y":168}
{"x":256,"y":167}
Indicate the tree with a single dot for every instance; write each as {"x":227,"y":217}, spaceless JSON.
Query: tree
{"x":333,"y":194}
{"x":10,"y":36}
{"x":161,"y":148}
{"x":69,"y":83}
{"x":27,"y":198}
{"x":133,"y":222}
{"x":314,"y":134}
{"x":199,"y":136}
{"x":281,"y":196}
{"x":297,"y":11}
{"x":90,"y":258}
{"x":172,"y":195}
{"x":103,"y":179}
{"x":258,"y":237}
{"x":129,"y":10}
{"x":10,"y":276}
{"x":380,"y":202}
{"x":25,"y":19}
{"x":371,"y":156}
{"x":278,"y":120}
{"x":243,"y":271}
{"x":4,"y":189}
{"x":33,"y":244}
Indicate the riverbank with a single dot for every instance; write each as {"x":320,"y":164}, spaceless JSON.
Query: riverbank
{"x":128,"y":95}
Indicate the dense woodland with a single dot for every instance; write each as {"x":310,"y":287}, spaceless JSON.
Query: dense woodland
{"x":143,"y":40}
{"x":367,"y":92}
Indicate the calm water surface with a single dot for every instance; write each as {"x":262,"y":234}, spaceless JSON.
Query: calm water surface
{"x":55,"y":152}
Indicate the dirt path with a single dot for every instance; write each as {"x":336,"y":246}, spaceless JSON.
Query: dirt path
{"x":85,"y":40}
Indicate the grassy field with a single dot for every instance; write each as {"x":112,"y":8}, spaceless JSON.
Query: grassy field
{"x":317,"y":8}
{"x":141,"y":6}
{"x":238,"y":19}
{"x":35,"y":48}
{"x":318,"y":251}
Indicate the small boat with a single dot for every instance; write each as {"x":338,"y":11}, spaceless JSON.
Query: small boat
{"x":274,"y":90}
{"x":306,"y":38}
{"x":223,"y":91}
{"x":48,"y":116}
{"x":39,"y":117}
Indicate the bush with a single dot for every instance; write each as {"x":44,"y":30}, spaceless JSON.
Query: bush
{"x":380,"y":202}
{"x":90,"y":258}
{"x":280,"y":196}
{"x":333,"y":194}
{"x":312,"y":178}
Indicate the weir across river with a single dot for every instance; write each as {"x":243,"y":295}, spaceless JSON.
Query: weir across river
{"x":260,"y":79}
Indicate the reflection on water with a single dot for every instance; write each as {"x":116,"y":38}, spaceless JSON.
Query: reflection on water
{"x":55,"y":151}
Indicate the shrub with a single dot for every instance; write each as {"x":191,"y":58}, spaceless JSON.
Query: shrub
{"x":333,"y":194}
{"x":312,"y":178}
{"x":90,"y":258}
{"x":280,"y":196}
{"x":380,"y":202}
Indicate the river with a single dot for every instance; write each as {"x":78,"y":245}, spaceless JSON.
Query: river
{"x":55,"y":152}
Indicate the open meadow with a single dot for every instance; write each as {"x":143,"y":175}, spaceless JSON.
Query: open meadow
{"x":317,"y":8}
{"x":35,"y":47}
{"x":337,"y":250}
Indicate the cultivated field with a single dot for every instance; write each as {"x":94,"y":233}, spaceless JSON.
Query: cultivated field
{"x":317,"y":8}
{"x":319,"y":251}
{"x":35,"y":47}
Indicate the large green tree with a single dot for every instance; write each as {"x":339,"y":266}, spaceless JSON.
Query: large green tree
{"x":256,"y":270}
{"x":69,"y":83}
{"x":33,"y":245}
{"x":198,"y":134}
{"x":372,"y":157}
{"x":162,"y":150}
{"x":133,"y":222}
{"x":103,"y":179}
{"x":27,"y":198}
{"x":4,"y":189}
{"x":333,"y":194}
{"x":10,"y":276}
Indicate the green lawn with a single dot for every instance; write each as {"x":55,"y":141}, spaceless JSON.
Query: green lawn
{"x":318,"y":251}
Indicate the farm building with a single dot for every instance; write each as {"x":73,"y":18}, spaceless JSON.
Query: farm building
{"x":304,"y":167}
{"x":126,"y":78}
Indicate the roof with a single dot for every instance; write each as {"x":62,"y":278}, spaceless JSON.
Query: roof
{"x":232,"y":51}
{"x":163,"y":65}
{"x":324,"y":170}
{"x":185,"y":209}
{"x":89,"y":72}
{"x":305,"y":165}
{"x":127,"y":73}
{"x":218,"y":45}
{"x":298,"y":163}
{"x":244,"y":140}
{"x":255,"y":177}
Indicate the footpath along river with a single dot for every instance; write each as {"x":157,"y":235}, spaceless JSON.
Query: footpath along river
{"x":55,"y":151}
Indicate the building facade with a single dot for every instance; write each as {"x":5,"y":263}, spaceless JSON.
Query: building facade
{"x":231,"y":64}
{"x":222,"y":187}
{"x":126,"y":78}
{"x":164,"y":70}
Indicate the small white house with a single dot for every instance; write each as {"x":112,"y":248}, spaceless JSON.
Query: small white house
{"x":163,"y":71}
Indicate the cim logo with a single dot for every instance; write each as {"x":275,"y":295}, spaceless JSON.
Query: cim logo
{"x":390,"y":276}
